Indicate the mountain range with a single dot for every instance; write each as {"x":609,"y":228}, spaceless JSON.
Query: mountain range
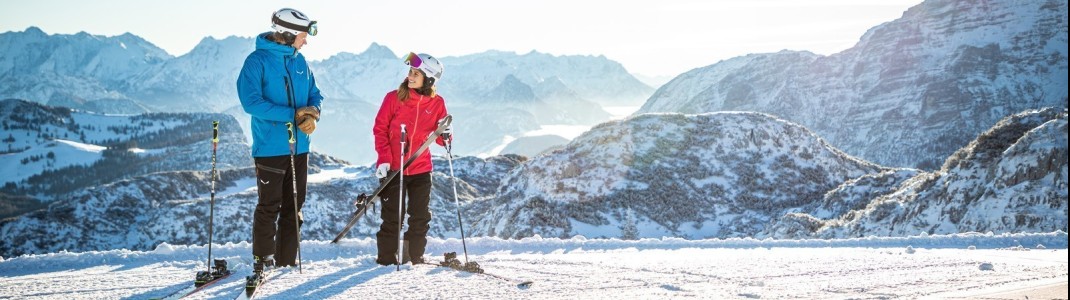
{"x":911,"y":91}
{"x":128,"y":75}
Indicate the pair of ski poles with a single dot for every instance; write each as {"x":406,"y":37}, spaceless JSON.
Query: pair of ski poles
{"x":211,"y":211}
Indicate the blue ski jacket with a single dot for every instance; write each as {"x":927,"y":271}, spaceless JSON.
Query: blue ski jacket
{"x":273,"y":83}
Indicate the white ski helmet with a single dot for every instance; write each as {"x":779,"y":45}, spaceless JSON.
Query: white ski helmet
{"x":292,"y":21}
{"x":425,"y":63}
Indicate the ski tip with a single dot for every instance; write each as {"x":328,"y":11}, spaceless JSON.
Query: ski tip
{"x":525,"y":285}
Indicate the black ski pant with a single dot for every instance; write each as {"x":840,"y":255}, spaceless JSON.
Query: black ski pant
{"x":274,"y":220}
{"x":418,"y":191}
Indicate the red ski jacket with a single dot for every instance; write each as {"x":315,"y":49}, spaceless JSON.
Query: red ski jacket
{"x":420,"y":114}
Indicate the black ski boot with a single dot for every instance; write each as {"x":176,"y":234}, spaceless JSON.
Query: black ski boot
{"x":260,"y":265}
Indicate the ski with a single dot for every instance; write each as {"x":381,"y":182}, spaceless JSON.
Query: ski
{"x":472,"y":267}
{"x":364,"y":201}
{"x":204,"y":280}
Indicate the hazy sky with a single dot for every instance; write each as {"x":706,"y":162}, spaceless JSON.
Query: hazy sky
{"x":653,"y":38}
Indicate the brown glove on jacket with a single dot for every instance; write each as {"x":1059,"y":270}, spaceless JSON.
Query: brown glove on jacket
{"x":306,"y":118}
{"x":308,"y":125}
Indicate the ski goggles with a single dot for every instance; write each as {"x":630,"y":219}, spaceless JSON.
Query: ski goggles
{"x":413,"y":60}
{"x":313,"y":29}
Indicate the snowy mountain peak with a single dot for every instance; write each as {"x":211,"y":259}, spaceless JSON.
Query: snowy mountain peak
{"x":511,"y":89}
{"x":34,"y":31}
{"x":211,"y":44}
{"x":377,"y":51}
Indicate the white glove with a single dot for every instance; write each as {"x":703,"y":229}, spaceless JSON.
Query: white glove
{"x":382,"y":170}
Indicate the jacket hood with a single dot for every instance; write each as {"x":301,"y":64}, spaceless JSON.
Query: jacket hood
{"x":262,"y":42}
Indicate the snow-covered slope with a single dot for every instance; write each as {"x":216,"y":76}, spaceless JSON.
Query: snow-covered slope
{"x":963,"y":266}
{"x":50,"y":156}
{"x":1012,"y":178}
{"x":695,"y":176}
{"x":911,"y":91}
{"x":50,"y":151}
{"x":532,"y":146}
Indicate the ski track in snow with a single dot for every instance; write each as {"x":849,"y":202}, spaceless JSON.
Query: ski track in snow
{"x":576,"y":268}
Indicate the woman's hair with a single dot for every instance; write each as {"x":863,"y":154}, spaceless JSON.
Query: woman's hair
{"x":428,"y":89}
{"x":284,"y":38}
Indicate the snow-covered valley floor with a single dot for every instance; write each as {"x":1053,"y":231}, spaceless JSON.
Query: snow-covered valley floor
{"x":578,"y":268}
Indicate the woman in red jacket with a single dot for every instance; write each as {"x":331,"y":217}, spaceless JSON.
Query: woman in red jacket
{"x":416,"y":106}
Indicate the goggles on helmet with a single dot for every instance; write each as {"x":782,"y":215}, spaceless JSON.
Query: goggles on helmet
{"x":413,"y":60}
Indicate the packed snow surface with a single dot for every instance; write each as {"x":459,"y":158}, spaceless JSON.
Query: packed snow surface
{"x":940,"y":266}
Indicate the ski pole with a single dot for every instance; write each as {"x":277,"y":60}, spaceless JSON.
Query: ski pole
{"x":401,"y":198}
{"x":211,"y":201}
{"x":457,"y":203}
{"x":297,"y":212}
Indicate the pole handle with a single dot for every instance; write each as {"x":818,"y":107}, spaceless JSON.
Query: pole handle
{"x":215,"y":131}
{"x":290,"y":131}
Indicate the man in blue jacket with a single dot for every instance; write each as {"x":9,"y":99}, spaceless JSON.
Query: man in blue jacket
{"x":276,"y":87}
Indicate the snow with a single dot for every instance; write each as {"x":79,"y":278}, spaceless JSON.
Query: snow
{"x":65,"y":153}
{"x":247,"y":184}
{"x":497,"y":149}
{"x":342,"y":173}
{"x":141,"y":151}
{"x":942,"y":266}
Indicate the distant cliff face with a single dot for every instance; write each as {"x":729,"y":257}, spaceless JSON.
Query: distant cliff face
{"x":911,"y":92}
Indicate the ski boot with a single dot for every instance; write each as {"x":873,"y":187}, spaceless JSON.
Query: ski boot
{"x":260,"y":265}
{"x":406,"y":258}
